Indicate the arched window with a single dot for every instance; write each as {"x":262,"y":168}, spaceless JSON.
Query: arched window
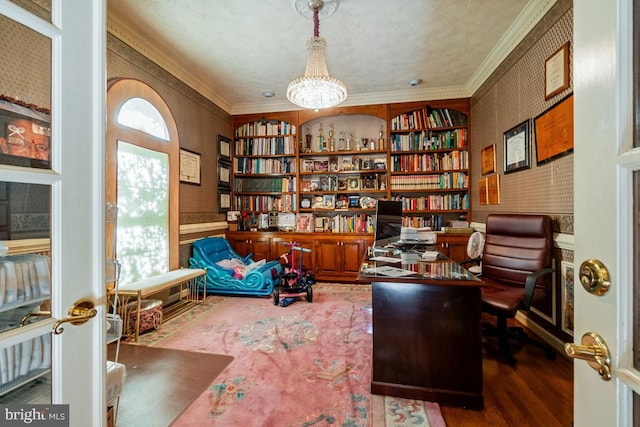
{"x":142,"y":181}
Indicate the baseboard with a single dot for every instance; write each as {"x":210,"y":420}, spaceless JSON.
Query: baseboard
{"x":545,"y":335}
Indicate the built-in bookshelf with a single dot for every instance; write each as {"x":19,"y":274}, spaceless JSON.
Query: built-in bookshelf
{"x":429,"y":163}
{"x":265,"y":166}
{"x":330,"y":167}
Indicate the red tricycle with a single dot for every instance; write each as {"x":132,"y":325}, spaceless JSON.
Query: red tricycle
{"x":295,"y":282}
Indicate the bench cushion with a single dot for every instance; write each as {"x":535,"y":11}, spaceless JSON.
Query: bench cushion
{"x":152,"y":285}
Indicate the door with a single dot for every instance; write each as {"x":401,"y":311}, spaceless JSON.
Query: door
{"x":59,"y":67}
{"x":606,"y":200}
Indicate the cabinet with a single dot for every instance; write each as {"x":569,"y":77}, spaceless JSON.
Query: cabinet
{"x":332,"y":257}
{"x":429,"y":161}
{"x":245,"y":243}
{"x":453,"y":246}
{"x":340,"y":258}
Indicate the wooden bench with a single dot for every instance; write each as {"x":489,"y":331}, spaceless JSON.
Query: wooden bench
{"x":189,"y":280}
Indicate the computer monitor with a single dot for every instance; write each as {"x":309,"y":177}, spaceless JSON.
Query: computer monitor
{"x":388,"y":222}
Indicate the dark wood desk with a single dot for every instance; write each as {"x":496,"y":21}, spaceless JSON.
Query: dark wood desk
{"x":427,"y":341}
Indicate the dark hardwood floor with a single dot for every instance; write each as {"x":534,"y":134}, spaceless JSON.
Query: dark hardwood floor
{"x":535,"y":392}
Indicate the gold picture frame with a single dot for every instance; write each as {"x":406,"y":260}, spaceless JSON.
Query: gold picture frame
{"x":556,"y":72}
{"x":189,"y":167}
{"x":488,"y":156}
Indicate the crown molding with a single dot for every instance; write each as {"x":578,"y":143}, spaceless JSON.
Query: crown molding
{"x":132,"y":38}
{"x":533,"y":12}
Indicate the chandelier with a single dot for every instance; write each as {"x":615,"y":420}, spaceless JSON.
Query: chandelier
{"x":316,"y":89}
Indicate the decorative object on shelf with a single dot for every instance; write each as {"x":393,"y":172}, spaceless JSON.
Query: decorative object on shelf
{"x":331,"y":141}
{"x":554,"y":131}
{"x":488,"y":155}
{"x":353,"y":183}
{"x":368,"y":202}
{"x":354,"y":201}
{"x":316,"y":89}
{"x":517,"y":153}
{"x":189,"y":167}
{"x":322,"y":143}
{"x":380,"y":139}
{"x":556,"y":72}
{"x":286,"y":221}
{"x":307,"y":166}
{"x":306,"y":147}
{"x":304,"y":222}
{"x":224,"y":148}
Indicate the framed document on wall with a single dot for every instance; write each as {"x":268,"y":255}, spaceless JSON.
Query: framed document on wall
{"x":517,"y":152}
{"x":224,"y":148}
{"x":189,"y":167}
{"x":554,"y":131}
{"x":488,"y":157}
{"x":556,"y":72}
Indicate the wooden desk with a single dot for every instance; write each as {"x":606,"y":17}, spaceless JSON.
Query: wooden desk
{"x":427,"y":340}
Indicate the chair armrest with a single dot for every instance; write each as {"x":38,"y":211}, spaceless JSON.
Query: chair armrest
{"x":530,"y":285}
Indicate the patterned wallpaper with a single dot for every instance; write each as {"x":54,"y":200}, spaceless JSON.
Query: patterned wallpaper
{"x":512,"y":95}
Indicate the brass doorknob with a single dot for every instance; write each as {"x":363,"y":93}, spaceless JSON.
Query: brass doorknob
{"x":79,"y":313}
{"x":594,"y":277}
{"x":595,"y":351}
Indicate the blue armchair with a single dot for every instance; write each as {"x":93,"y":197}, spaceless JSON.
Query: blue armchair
{"x":247,"y":278}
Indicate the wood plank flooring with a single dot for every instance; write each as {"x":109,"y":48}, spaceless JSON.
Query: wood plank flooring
{"x":535,"y":392}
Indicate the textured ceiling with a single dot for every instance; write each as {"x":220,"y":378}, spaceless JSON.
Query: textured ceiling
{"x":232,"y":51}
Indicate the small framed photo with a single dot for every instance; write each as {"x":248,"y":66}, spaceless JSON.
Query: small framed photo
{"x":353,"y":183}
{"x":488,"y":159}
{"x":318,"y":202}
{"x":556,"y":72}
{"x":346,"y":164}
{"x":224,"y":148}
{"x":189,"y":167}
{"x":567,"y":277}
{"x":321,"y":165}
{"x":334,"y":164}
{"x":342,"y":184}
{"x":517,"y":152}
{"x":325,"y":183}
{"x":224,"y":200}
{"x":366,"y":164}
{"x":307,"y":166}
{"x":304,"y":222}
{"x":369,"y":182}
{"x":329,"y":201}
{"x":380,"y":164}
{"x":224,"y":174}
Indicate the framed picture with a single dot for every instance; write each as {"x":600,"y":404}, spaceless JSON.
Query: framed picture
{"x":556,"y":72}
{"x":554,"y":131}
{"x":224,"y":148}
{"x":224,"y":200}
{"x":321,"y":165}
{"x":488,"y":158}
{"x":483,"y":195}
{"x":567,"y":278}
{"x":342,"y":184}
{"x":353,"y":183}
{"x":25,"y":136}
{"x":493,"y":189}
{"x":329,"y":201}
{"x":369,"y":182}
{"x":517,"y":151}
{"x":224,"y":174}
{"x":307,"y":166}
{"x":189,"y":167}
{"x":304,"y":222}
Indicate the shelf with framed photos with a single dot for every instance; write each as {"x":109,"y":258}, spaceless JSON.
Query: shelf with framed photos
{"x":265,"y":163}
{"x":429,"y":161}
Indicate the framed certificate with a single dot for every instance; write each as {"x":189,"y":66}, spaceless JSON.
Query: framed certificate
{"x":517,"y":153}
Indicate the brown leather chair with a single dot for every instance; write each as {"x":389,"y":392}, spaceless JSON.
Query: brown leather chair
{"x":516,"y":263}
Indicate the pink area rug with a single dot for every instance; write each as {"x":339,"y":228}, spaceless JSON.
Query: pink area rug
{"x":308,"y":364}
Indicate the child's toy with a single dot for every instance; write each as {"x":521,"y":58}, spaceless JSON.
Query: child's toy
{"x":294,"y":282}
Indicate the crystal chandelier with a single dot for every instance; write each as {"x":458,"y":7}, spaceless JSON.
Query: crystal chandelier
{"x":316,"y":89}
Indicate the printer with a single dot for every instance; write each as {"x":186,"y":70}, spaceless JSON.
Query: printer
{"x":422,"y":235}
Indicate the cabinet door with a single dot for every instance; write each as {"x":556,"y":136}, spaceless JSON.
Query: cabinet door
{"x":328,"y":258}
{"x":260,"y":248}
{"x":454,"y":247}
{"x":353,"y":254}
{"x":278,"y":248}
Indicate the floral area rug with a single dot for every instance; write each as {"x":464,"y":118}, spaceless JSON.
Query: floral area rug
{"x":307,"y":364}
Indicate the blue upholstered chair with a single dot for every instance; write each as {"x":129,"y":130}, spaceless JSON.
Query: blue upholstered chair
{"x":230,"y":273}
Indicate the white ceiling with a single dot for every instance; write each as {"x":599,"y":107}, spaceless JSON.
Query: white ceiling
{"x":231,"y":51}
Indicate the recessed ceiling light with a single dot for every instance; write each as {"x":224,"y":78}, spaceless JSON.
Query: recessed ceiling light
{"x":415,"y":82}
{"x":268,"y":94}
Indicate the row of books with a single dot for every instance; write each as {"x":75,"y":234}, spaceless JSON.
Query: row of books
{"x":447,"y":180}
{"x":435,"y":221}
{"x":435,"y":202}
{"x":264,"y":128}
{"x":454,"y":160}
{"x":265,"y":185}
{"x":428,"y":118}
{"x":357,"y":223}
{"x":425,"y":141}
{"x":276,"y":145}
{"x":282,"y":203}
{"x":264,"y":165}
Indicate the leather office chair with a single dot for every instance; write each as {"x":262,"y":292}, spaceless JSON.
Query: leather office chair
{"x":516,"y":263}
